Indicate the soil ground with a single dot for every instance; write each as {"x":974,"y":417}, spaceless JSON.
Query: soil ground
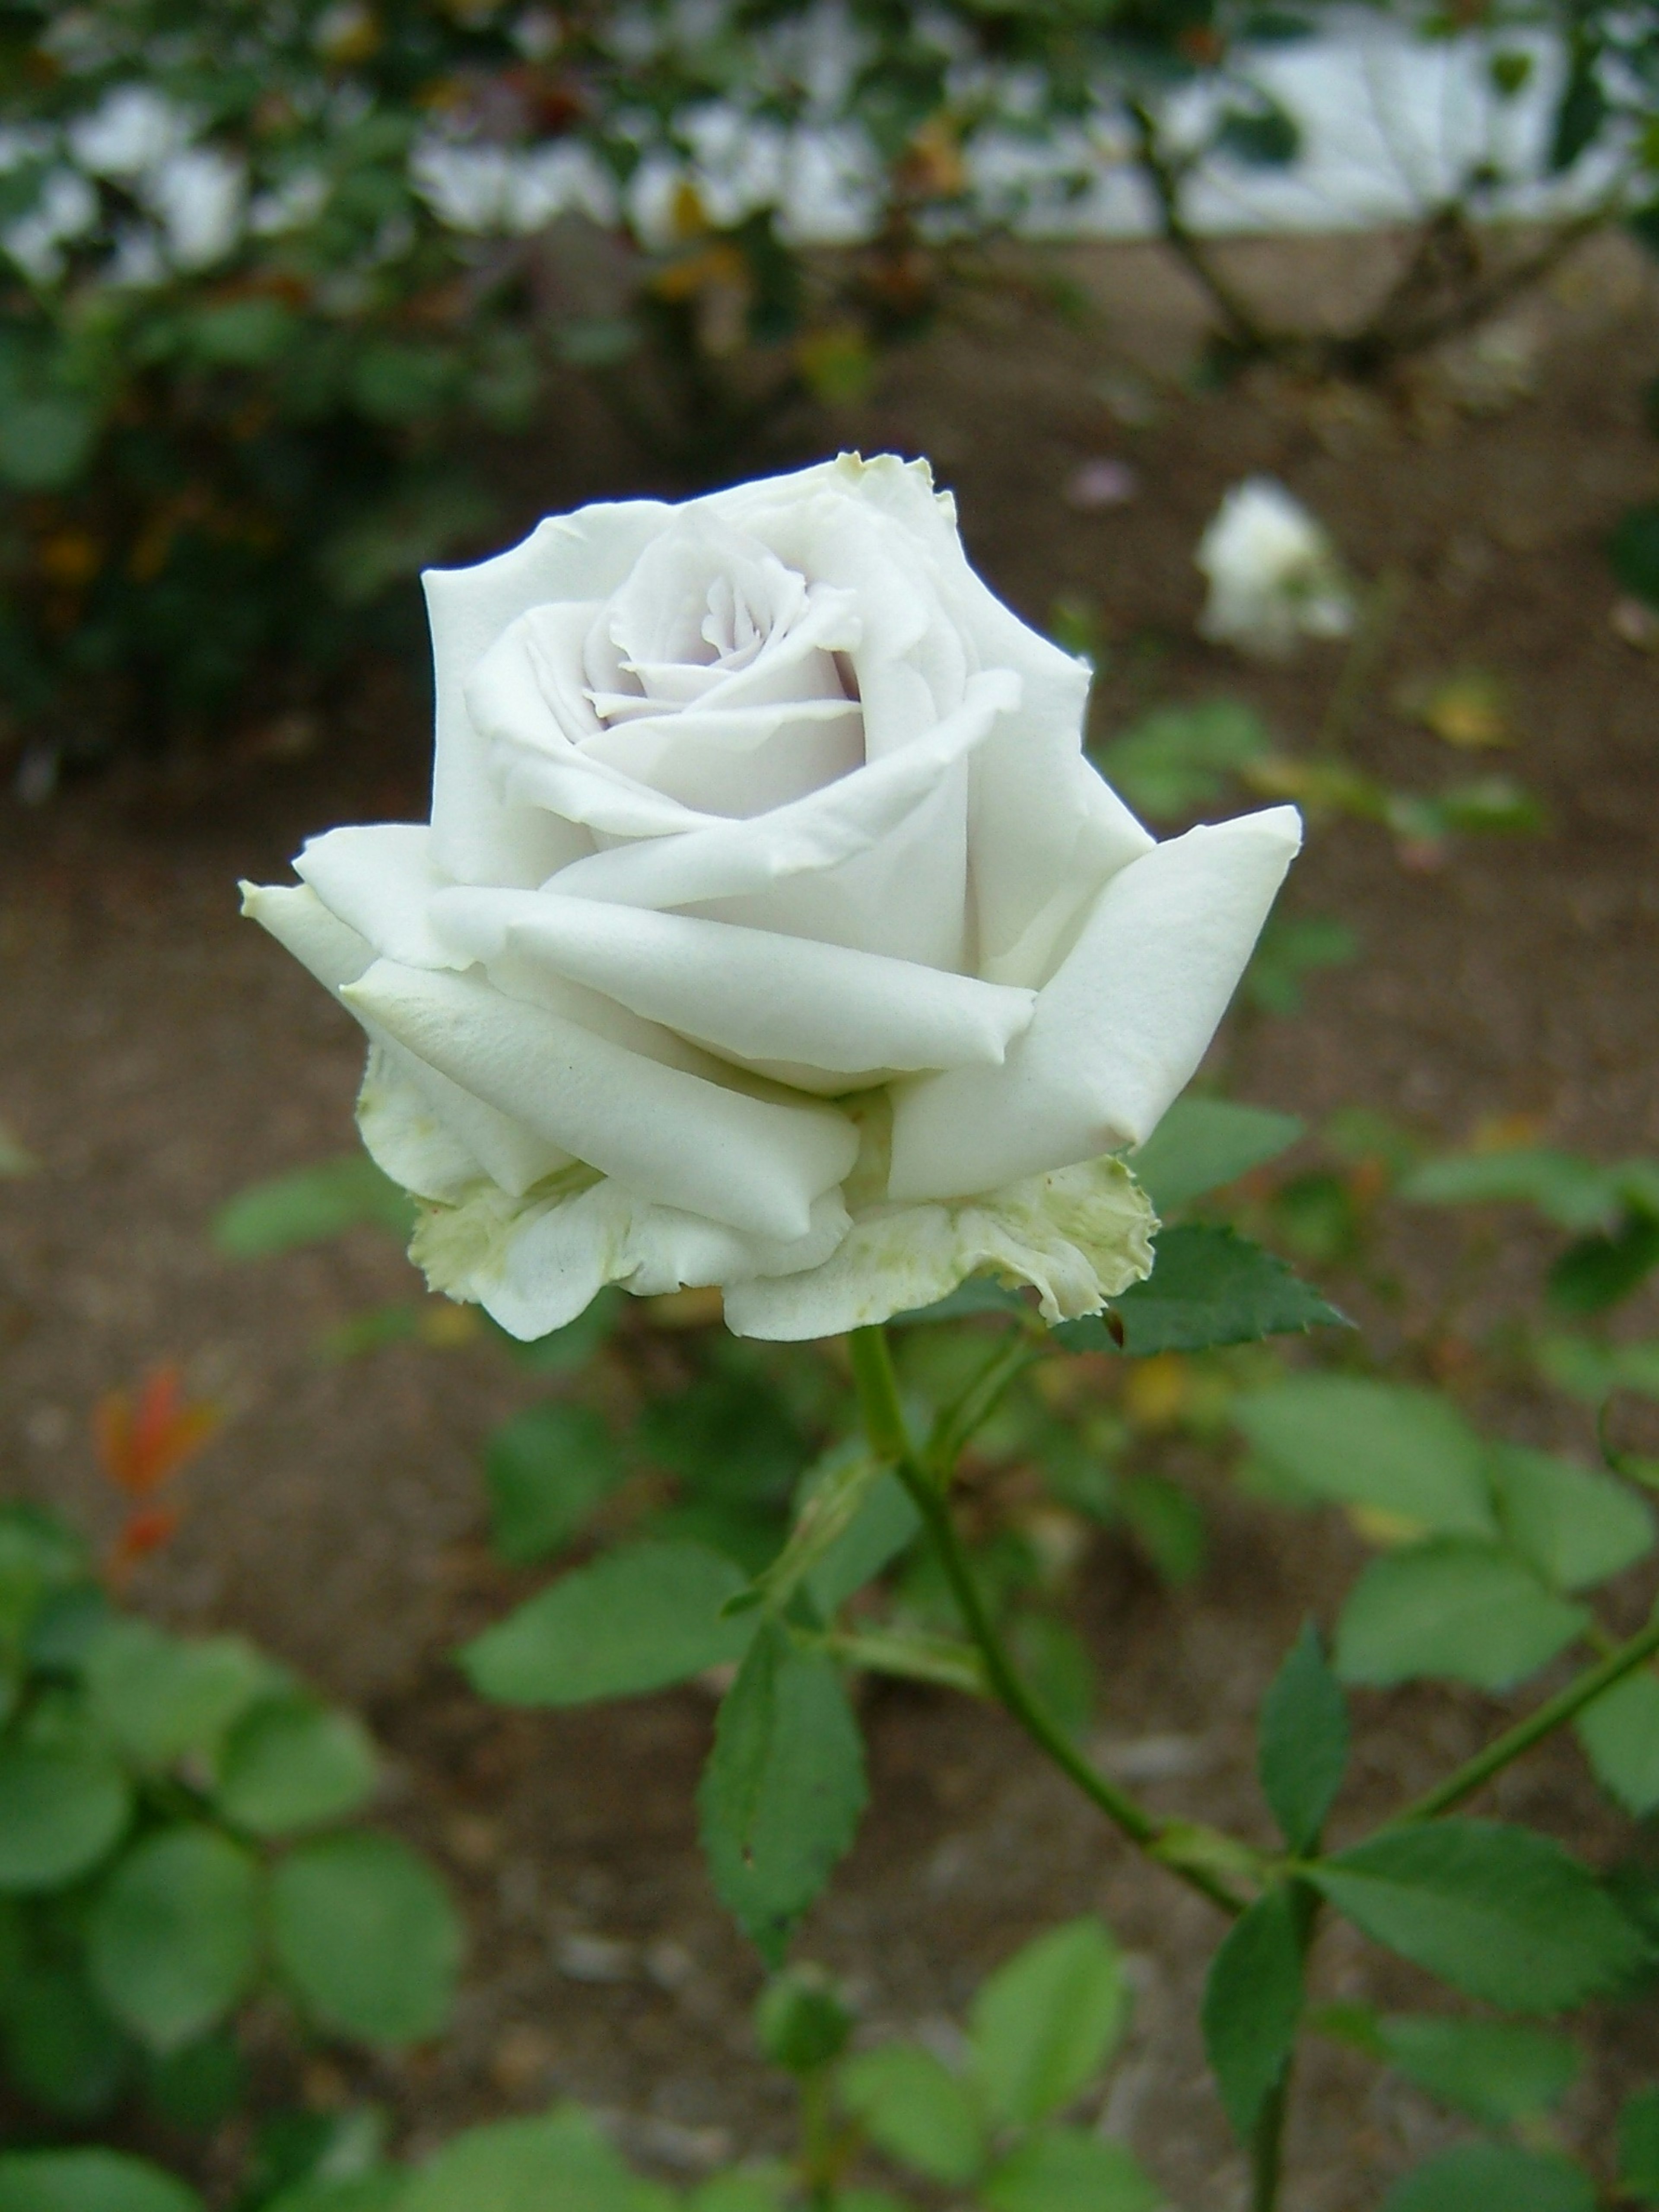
{"x":156,"y":1055}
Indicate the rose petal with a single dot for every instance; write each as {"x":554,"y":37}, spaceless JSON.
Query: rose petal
{"x":379,"y":879}
{"x":1118,"y":1031}
{"x":746,"y":992}
{"x":1080,"y":1236}
{"x":797,"y":869}
{"x":479,"y":837}
{"x":514,"y":1156}
{"x":671,"y":1136}
{"x":533,"y":1268}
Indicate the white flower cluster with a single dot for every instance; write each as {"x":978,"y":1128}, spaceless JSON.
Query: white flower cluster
{"x":1274,"y":574}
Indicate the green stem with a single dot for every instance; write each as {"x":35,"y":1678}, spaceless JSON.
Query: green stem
{"x":1555,"y":1712}
{"x":1268,"y":2137}
{"x":884,"y":1421}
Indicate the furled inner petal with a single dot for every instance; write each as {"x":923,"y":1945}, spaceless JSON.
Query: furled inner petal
{"x":668,"y":1134}
{"x":748,"y":993}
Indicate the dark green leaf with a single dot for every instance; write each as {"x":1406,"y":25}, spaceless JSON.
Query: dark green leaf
{"x":380,"y":2191}
{"x":1292,"y":948}
{"x":547,"y":1470}
{"x":1209,"y":1286}
{"x":1168,"y":1523}
{"x":832,"y":1497}
{"x":63,"y":2049}
{"x":1574,"y":1524}
{"x":1638,"y":2145}
{"x":1633,"y":550}
{"x":1253,"y":2003}
{"x":1065,"y":2170}
{"x":635,"y":1621}
{"x":199,"y":2086}
{"x":1042,"y":2025}
{"x":309,"y":1206}
{"x":159,"y":1696}
{"x":173,"y":1938}
{"x":1303,"y":1743}
{"x":365,"y":1932}
{"x":62,"y":1808}
{"x":1455,"y":1607}
{"x":1203,"y":1144}
{"x":1493,"y":2174}
{"x":1358,"y":1443}
{"x":94,"y":2180}
{"x":1178,"y":758}
{"x":558,"y":2163}
{"x":801,"y":2022}
{"x":292,"y":1764}
{"x":44,"y":443}
{"x":884,"y":1524}
{"x":1619,"y":1734}
{"x":1495,"y":2070}
{"x":1261,"y":137}
{"x":1601,"y":1269}
{"x":1581,"y":115}
{"x":781,"y":1794}
{"x":1503,"y":1914}
{"x":914,"y":2109}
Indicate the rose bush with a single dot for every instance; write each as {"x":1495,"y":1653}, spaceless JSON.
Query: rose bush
{"x":771,"y":929}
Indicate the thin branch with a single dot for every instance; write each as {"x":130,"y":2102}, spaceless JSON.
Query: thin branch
{"x":1247,"y":334}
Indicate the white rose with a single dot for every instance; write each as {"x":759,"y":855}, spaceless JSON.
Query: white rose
{"x":771,"y":930}
{"x":1274,"y":574}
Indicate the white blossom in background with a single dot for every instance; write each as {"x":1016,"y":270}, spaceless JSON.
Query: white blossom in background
{"x":500,"y":188}
{"x":197,"y":196}
{"x":66,"y":210}
{"x":1274,"y":576}
{"x":292,"y":204}
{"x":133,"y":130}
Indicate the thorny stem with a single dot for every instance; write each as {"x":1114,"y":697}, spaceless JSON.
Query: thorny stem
{"x":883,"y":1420}
{"x":1555,"y":1712}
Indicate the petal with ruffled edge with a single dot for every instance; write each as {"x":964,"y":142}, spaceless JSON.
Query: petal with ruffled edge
{"x":1080,"y":1236}
{"x":840,"y":1019}
{"x":674,"y":1137}
{"x":533,"y":1267}
{"x":1120,"y":1028}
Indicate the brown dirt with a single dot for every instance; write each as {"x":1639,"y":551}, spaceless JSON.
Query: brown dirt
{"x":156,"y":1055}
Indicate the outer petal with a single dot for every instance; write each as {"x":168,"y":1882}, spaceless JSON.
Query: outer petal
{"x":535,"y":1267}
{"x":380,"y":880}
{"x":749,"y":994}
{"x":669,"y":1136}
{"x":417,"y":1125}
{"x":1120,"y":1028}
{"x":477,"y":835}
{"x":1079,"y":1236}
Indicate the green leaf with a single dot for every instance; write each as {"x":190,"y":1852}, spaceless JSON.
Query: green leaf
{"x":1638,"y":2145}
{"x":557,"y":2163}
{"x":1601,"y":1269}
{"x":1168,"y":1524}
{"x":1178,"y":758}
{"x":1358,"y":1443}
{"x":62,"y":1808}
{"x":1577,"y":1526}
{"x":1291,"y":948}
{"x":1453,"y":1607}
{"x":38,"y":1558}
{"x":912,"y":1654}
{"x":912,"y":2107}
{"x":640,"y":1618}
{"x":95,"y":2180}
{"x":1064,"y":2170}
{"x":1581,"y":114}
{"x":1586,"y":1369}
{"x":884,"y":1524}
{"x":159,"y":1696}
{"x":1042,"y":2025}
{"x":1493,"y":2174}
{"x":365,"y":1932}
{"x":63,"y":2049}
{"x":781,"y":1797}
{"x":382,"y":2191}
{"x":1620,"y":1734}
{"x":1253,"y":2003}
{"x":199,"y":2086}
{"x":173,"y":1938}
{"x":1203,"y":1144}
{"x":1501,"y":1913}
{"x":563,"y":1350}
{"x":1210,"y":1285}
{"x":1633,"y":546}
{"x":547,"y":1470}
{"x":1574,"y":1193}
{"x":1303,"y":1743}
{"x":1263,"y":138}
{"x":292,"y":1764}
{"x":309,"y":1206}
{"x":1495,"y":2070}
{"x":44,"y":443}
{"x":801,"y":2022}
{"x":832,"y":1497}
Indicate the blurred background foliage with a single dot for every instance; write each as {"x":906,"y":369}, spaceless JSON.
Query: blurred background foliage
{"x":280,"y":283}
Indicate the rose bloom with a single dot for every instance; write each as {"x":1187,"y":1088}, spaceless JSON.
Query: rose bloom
{"x":1274,"y":574}
{"x":770,"y":929}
